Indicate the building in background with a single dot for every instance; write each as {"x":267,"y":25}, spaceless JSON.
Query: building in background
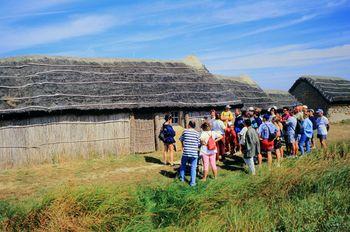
{"x":332,"y":94}
{"x":282,"y":98}
{"x":58,"y":108}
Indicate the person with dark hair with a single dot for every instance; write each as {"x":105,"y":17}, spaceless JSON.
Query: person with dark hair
{"x":314,"y":126}
{"x":190,"y":144}
{"x":219,"y":127}
{"x":267,"y":133}
{"x":168,"y":139}
{"x":208,"y":149}
{"x":250,"y":145}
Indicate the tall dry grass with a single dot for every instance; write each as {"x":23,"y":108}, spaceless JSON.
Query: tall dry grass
{"x":305,"y":194}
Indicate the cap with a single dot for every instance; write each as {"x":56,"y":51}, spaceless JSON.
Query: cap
{"x":274,"y":107}
{"x":305,"y":106}
{"x":311,"y":110}
{"x":319,"y":111}
{"x":266,"y":116}
{"x":251,"y":109}
{"x":228,"y":107}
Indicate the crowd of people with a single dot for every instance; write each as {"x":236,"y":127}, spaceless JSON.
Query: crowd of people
{"x":252,"y":134}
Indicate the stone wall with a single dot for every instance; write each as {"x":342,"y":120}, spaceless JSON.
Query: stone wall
{"x":337,"y":113}
{"x":309,"y":96}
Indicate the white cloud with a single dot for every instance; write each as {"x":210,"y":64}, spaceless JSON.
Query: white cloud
{"x":80,"y":26}
{"x":296,"y":57}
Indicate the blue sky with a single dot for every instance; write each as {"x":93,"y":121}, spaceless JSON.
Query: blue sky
{"x":274,"y":42}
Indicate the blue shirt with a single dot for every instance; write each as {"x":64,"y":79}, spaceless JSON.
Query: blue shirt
{"x":308,"y":127}
{"x":191,"y":142}
{"x":291,"y":126}
{"x":265,"y":129}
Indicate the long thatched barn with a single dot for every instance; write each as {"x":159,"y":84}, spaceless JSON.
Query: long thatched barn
{"x":332,"y":94}
{"x":281,"y":98}
{"x":247,"y":90}
{"x":55,"y":108}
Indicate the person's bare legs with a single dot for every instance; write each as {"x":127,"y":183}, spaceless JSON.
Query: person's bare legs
{"x":164,"y":154}
{"x":205,"y":175}
{"x":282,"y":152}
{"x":260,"y":159}
{"x":171,"y":152}
{"x":278,"y":157}
{"x":323,"y":143}
{"x":269,"y":159}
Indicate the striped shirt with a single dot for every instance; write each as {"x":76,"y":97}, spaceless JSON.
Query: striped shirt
{"x":190,"y":140}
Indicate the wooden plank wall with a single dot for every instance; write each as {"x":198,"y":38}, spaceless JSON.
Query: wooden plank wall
{"x":55,"y":140}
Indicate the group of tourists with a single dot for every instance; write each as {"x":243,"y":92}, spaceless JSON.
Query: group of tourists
{"x":252,"y":133}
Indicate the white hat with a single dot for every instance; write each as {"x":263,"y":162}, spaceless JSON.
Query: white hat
{"x":251,"y":108}
{"x":228,"y":107}
{"x":305,"y":106}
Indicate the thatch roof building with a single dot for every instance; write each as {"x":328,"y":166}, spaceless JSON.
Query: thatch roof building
{"x":247,"y":90}
{"x":281,"y":98}
{"x":59,"y":105}
{"x":329,"y":93}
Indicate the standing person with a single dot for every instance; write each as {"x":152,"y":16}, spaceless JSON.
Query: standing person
{"x":291,"y":124}
{"x":278,"y":141}
{"x":190,"y":144}
{"x":212,"y":117}
{"x":238,"y":123}
{"x":226,"y":115}
{"x":208,"y":151}
{"x":314,"y":126}
{"x":272,"y":112}
{"x":168,"y":139}
{"x":267,"y":134}
{"x":231,"y":139}
{"x":322,"y":128}
{"x":250,"y":145}
{"x":306,"y":135}
{"x":219,"y":127}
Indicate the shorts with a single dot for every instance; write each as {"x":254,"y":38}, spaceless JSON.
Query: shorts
{"x":267,"y":145}
{"x":291,"y":139}
{"x":322,"y":137}
{"x":168,"y":145}
{"x":277,"y":143}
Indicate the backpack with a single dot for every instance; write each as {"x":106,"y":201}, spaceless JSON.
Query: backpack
{"x":299,"y":129}
{"x":211,"y":143}
{"x":272,"y":136}
{"x":161,"y":135}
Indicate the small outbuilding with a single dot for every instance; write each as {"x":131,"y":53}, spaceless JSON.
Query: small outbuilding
{"x":281,"y":98}
{"x":332,"y":94}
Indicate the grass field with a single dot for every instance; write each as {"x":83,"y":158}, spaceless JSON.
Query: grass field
{"x":136,"y":193}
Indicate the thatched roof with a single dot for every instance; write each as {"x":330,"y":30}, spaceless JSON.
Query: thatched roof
{"x":247,"y":90}
{"x":333,"y":89}
{"x":282,"y":98}
{"x":42,"y":83}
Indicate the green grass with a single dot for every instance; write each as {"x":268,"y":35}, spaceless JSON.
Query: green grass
{"x":305,"y":194}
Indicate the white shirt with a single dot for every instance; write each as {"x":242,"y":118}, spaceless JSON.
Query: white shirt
{"x":204,"y":140}
{"x":242,"y":135}
{"x":321,"y":123}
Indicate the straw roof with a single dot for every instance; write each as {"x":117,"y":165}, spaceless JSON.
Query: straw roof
{"x":43,"y":83}
{"x":333,"y":89}
{"x":282,"y":98}
{"x":247,"y":90}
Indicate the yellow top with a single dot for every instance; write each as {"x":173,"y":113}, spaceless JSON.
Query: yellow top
{"x":226,"y":116}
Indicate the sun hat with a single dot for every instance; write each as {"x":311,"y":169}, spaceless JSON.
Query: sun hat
{"x":319,"y":111}
{"x":251,"y":108}
{"x":228,"y":107}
